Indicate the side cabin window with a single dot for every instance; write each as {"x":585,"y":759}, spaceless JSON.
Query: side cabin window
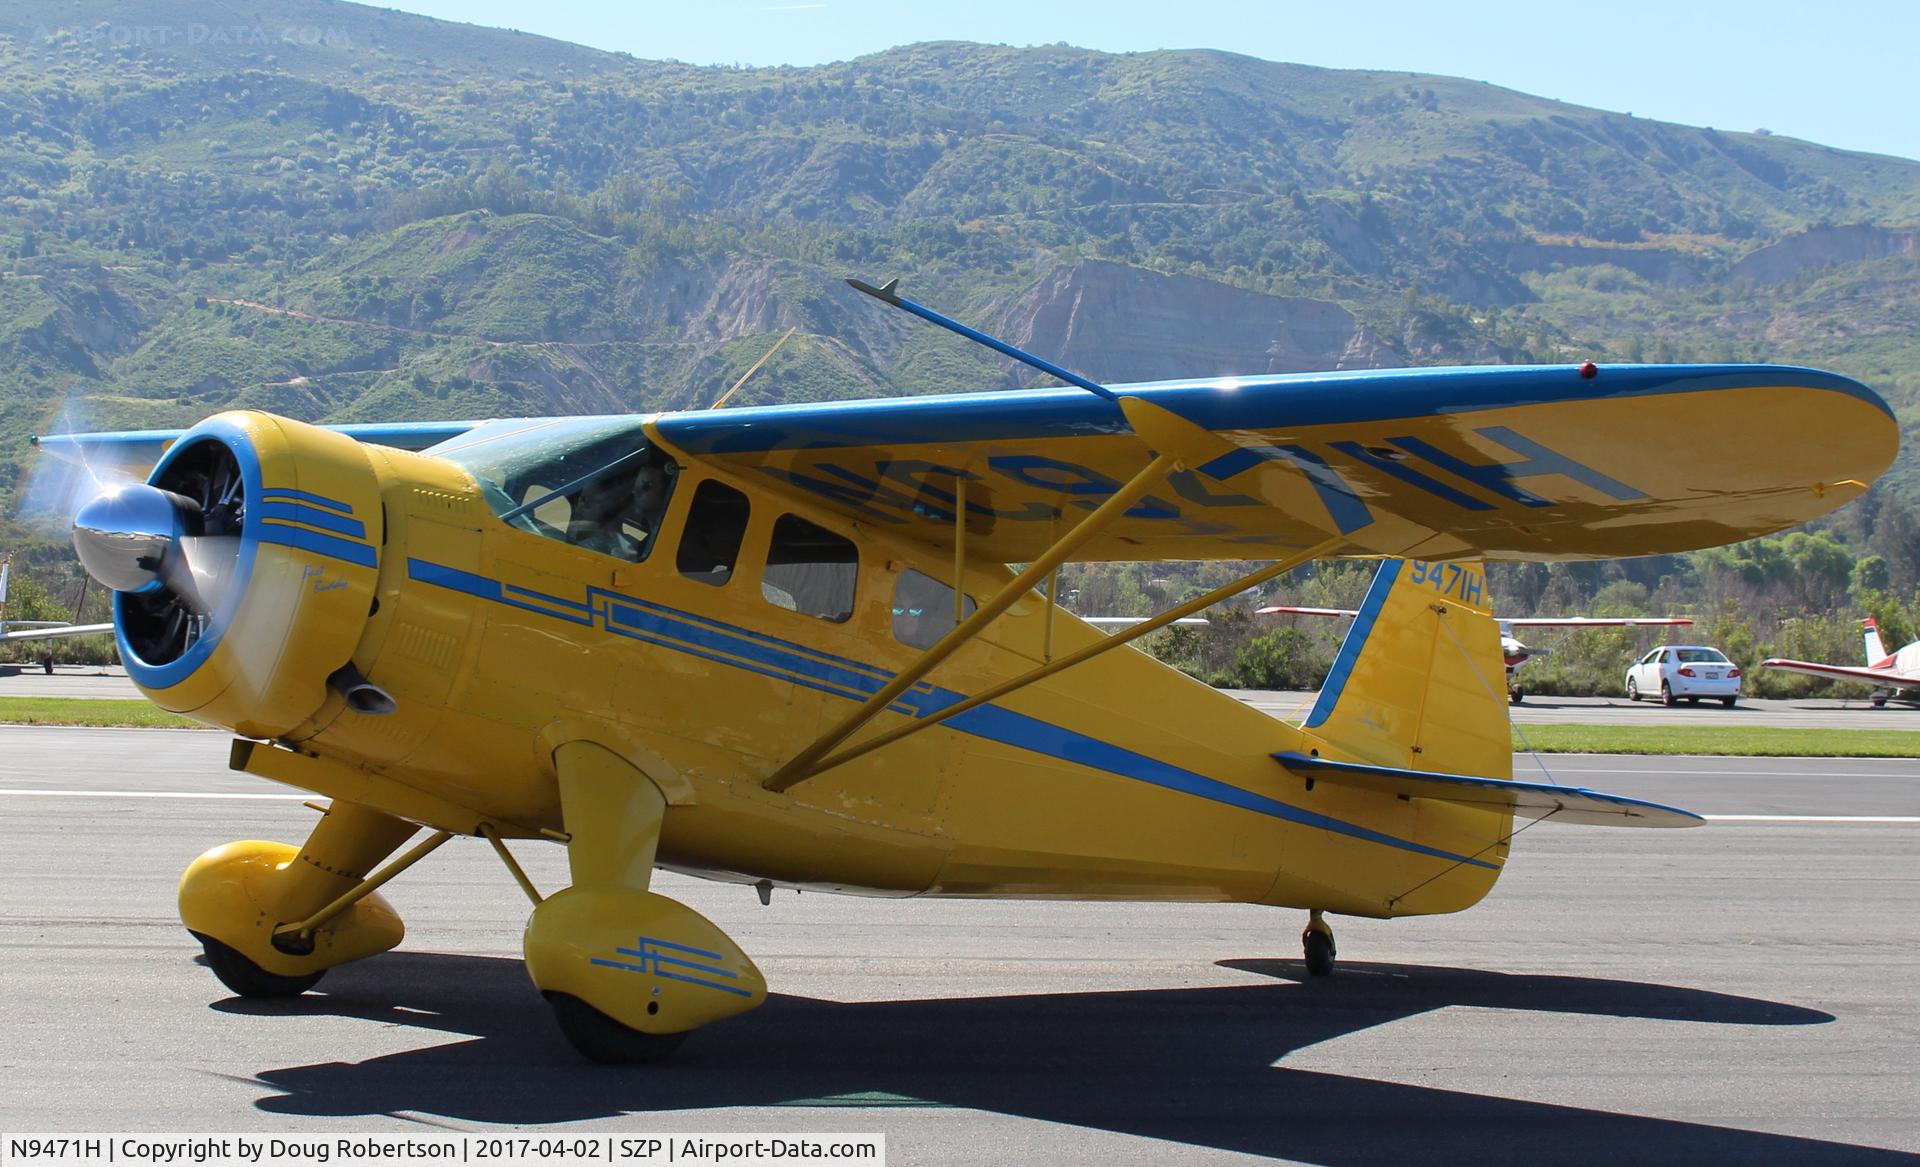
{"x":616,"y":514}
{"x":810,"y":570}
{"x":593,"y":482}
{"x":710,"y":541}
{"x":923,"y":609}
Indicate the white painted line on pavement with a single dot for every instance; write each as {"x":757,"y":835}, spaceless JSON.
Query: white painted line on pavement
{"x":1811,"y":818}
{"x":144,"y":794}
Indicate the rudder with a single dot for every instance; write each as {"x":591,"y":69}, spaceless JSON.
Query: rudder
{"x":1876,"y":651}
{"x":1419,"y":681}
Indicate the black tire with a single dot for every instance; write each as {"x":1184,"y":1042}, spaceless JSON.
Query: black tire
{"x":1728,"y":701}
{"x":1666,"y":695}
{"x":1633,"y":690}
{"x":600,"y":1038}
{"x":248,"y":979}
{"x":1319,"y":951}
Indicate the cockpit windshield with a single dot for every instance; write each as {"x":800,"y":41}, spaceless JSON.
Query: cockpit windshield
{"x":594,"y":482}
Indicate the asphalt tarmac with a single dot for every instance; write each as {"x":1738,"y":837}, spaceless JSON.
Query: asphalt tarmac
{"x":1741,"y":993}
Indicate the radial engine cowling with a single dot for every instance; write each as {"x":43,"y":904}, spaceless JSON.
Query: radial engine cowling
{"x":243,"y":572}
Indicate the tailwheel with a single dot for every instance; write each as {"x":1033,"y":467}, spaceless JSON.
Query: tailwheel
{"x":1317,"y":940}
{"x":248,"y":979}
{"x":600,"y":1038}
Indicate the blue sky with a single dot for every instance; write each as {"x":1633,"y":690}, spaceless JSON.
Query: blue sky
{"x":1839,"y":72}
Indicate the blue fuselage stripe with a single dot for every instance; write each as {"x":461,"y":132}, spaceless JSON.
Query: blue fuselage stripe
{"x":299,"y":537}
{"x":1356,"y":639}
{"x":312,"y":516}
{"x":288,"y":494}
{"x":757,"y":653}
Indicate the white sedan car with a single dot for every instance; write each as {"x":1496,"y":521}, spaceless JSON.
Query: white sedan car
{"x":1673,"y":671}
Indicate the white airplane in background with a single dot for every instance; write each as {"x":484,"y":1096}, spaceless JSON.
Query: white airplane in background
{"x":1511,"y":647}
{"x":15,"y":630}
{"x":1891,"y":674}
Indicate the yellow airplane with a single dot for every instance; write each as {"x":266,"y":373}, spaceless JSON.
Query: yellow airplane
{"x":690,"y":641}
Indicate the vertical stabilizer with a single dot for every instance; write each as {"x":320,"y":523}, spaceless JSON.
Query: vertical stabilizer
{"x":1876,"y":651}
{"x":1419,"y":682}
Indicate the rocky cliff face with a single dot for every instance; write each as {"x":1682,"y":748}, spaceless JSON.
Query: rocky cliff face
{"x":1116,"y":323}
{"x":1779,"y":262}
{"x":1656,"y":265}
{"x":68,"y":323}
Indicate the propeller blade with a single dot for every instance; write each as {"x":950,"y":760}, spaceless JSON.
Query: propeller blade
{"x":201,"y":570}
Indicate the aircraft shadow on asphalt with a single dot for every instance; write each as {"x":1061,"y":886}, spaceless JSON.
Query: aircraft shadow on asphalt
{"x":1193,"y":1066}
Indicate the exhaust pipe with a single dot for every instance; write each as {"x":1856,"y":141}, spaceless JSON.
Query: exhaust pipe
{"x":363,"y":696}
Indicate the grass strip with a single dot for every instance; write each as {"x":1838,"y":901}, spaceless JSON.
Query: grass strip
{"x":91,"y":711}
{"x":1744,"y":741}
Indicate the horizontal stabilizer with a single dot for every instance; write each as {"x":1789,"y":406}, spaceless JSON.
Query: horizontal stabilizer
{"x":1289,"y":610}
{"x":52,"y":632}
{"x":1886,"y":678}
{"x":1564,"y":804}
{"x":1130,"y":621}
{"x":1598,"y":622}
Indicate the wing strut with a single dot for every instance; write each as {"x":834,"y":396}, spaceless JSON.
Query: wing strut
{"x":1174,"y":441}
{"x":1133,"y":632}
{"x":1123,"y":500}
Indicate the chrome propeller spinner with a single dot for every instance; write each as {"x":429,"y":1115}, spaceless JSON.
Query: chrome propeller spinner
{"x":170,"y":547}
{"x":126,"y":536}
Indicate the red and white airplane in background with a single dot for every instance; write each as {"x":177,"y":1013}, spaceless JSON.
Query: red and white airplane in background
{"x":1515,"y":652}
{"x":1889,"y":673}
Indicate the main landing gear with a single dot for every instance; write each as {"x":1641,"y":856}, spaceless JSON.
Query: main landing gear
{"x":238,"y":900}
{"x":627,"y":972}
{"x":1317,"y":940}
